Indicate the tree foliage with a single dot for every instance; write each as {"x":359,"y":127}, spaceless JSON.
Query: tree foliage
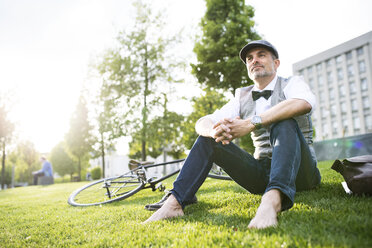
{"x":62,"y":163}
{"x":164,"y":136}
{"x":107,"y":130}
{"x":227,"y":26}
{"x":135,"y":73}
{"x":79,"y":140}
{"x":96,"y":173}
{"x":6,"y":132}
{"x":27,"y":162}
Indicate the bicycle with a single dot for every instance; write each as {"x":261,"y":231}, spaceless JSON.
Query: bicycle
{"x":118,"y":188}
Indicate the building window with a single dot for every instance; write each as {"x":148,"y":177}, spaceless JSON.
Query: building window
{"x":323,"y":112}
{"x":354,"y":105}
{"x":300,"y":72}
{"x":320,"y":80}
{"x":343,"y":107}
{"x":319,"y":67}
{"x":368,"y":121}
{"x":349,"y":56}
{"x":340,"y":74}
{"x":310,"y":70}
{"x":350,"y":70}
{"x":321,"y":96}
{"x":366,"y":103}
{"x":334,"y":127}
{"x":333,"y":109}
{"x":328,"y":63}
{"x":363,"y":84}
{"x":362,"y":66}
{"x":342,"y":90}
{"x":325,"y":130}
{"x":356,"y":123}
{"x":360,"y":51}
{"x":339,"y":59}
{"x":329,"y":77}
{"x":311,"y":83}
{"x":352,"y":87}
{"x":331,"y":93}
{"x":345,"y":123}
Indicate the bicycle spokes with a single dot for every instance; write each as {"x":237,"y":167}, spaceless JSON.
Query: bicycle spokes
{"x":108,"y":190}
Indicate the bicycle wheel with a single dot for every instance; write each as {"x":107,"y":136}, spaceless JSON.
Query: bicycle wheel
{"x":107,"y":190}
{"x":218,"y":173}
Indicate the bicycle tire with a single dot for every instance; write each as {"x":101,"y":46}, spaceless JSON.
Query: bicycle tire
{"x":217,"y":172}
{"x":220,"y":177}
{"x":102,"y":191}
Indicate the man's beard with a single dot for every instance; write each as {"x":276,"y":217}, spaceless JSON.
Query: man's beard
{"x":261,"y":73}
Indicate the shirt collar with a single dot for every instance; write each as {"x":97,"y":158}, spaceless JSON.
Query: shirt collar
{"x":270,"y":86}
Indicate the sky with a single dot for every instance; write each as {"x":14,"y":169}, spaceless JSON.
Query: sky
{"x":46,"y":47}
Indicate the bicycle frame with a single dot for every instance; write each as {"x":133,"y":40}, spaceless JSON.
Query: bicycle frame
{"x":158,"y":180}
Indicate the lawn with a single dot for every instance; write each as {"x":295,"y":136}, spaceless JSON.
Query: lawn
{"x":39,"y":216}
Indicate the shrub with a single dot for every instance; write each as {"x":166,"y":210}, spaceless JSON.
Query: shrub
{"x":96,"y":173}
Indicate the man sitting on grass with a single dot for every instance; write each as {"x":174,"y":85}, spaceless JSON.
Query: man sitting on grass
{"x":46,"y":170}
{"x":276,"y":113}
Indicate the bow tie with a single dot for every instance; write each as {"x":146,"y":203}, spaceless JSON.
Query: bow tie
{"x":257,"y":94}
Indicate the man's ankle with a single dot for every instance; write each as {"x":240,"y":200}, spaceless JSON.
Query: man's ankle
{"x":173,"y":202}
{"x":274,"y":198}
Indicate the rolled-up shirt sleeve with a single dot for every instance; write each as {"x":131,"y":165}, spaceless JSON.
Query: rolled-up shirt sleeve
{"x":229,"y":110}
{"x":297,"y":88}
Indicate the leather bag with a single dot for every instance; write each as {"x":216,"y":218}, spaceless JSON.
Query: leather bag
{"x":357,"y":172}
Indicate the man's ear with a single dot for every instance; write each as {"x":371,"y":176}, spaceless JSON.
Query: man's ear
{"x":277,"y":63}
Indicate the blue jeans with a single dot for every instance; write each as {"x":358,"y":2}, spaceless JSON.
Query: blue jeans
{"x":292,"y":167}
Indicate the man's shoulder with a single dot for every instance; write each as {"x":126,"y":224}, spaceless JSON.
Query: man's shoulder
{"x":246,"y":88}
{"x":244,"y":91}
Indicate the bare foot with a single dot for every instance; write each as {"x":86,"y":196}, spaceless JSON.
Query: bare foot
{"x":170,"y":209}
{"x":268,"y":210}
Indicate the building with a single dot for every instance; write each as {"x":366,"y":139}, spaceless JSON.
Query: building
{"x":341,"y":78}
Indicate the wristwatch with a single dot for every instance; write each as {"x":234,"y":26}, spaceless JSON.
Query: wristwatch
{"x":256,"y":121}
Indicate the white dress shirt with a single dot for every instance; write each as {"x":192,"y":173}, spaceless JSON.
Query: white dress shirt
{"x":295,"y":89}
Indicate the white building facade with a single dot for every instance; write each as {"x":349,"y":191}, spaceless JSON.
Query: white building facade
{"x":341,"y":78}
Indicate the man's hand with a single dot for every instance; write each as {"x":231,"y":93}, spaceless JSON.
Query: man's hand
{"x":228,"y":129}
{"x":221,"y":132}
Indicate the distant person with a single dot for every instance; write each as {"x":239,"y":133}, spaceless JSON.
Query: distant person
{"x":46,"y":170}
{"x":89,"y":176}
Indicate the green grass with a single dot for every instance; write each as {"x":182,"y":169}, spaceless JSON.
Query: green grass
{"x":39,"y":216}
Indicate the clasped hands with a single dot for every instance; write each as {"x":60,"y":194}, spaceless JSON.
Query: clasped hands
{"x":228,"y":129}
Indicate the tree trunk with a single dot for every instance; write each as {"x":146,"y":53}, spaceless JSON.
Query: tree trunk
{"x":79,"y":169}
{"x":103,"y":155}
{"x":3,"y":166}
{"x":144,"y":110}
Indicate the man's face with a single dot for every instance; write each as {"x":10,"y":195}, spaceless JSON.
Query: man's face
{"x":260,"y":63}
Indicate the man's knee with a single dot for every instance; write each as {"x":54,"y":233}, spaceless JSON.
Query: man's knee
{"x":287,"y":128}
{"x":284,"y":124}
{"x":201,"y":140}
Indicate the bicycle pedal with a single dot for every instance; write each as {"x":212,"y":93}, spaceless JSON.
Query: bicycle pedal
{"x":160,"y":187}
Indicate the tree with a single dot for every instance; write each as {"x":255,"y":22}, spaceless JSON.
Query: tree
{"x":135,"y":73}
{"x":79,"y":140}
{"x":62,"y":163}
{"x":108,"y":131}
{"x":28,"y":160}
{"x":227,"y":26}
{"x":6,"y":132}
{"x":164,"y":136}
